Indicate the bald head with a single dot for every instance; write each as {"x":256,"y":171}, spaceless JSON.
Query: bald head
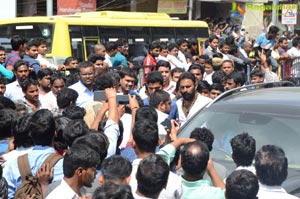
{"x":100,"y":49}
{"x":194,"y":159}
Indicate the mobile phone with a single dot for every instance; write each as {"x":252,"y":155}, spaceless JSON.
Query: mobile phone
{"x":167,"y":123}
{"x":100,"y":96}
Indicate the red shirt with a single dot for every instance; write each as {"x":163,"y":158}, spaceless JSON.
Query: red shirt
{"x":149,"y":65}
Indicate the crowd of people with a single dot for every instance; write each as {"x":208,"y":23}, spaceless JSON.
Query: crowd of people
{"x":126,"y":146}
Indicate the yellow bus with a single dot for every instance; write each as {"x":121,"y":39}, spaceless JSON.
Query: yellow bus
{"x":75,"y":35}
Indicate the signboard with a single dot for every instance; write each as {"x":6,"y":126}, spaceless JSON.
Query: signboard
{"x":289,"y":14}
{"x":70,"y":7}
{"x":172,"y":6}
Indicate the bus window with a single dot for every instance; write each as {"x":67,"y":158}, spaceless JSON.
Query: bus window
{"x":76,"y":42}
{"x":163,"y":34}
{"x":89,"y":44}
{"x":185,"y":33}
{"x":28,"y":31}
{"x":138,"y":34}
{"x":90,"y":31}
{"x":111,"y":33}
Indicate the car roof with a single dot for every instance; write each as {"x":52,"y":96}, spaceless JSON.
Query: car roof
{"x":265,"y":96}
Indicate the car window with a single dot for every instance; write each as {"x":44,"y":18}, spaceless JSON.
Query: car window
{"x":278,"y":128}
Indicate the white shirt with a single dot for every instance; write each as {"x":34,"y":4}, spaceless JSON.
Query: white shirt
{"x":112,"y":131}
{"x":208,"y":77}
{"x":14,"y":91}
{"x":175,"y":62}
{"x":160,"y":118}
{"x":173,"y":189}
{"x":44,"y":61}
{"x":273,"y":192}
{"x":170,"y":89}
{"x":107,"y":60}
{"x":293,"y":52}
{"x":200,"y":102}
{"x":49,"y":101}
{"x":126,"y":120}
{"x":84,"y":94}
{"x":64,"y":191}
{"x":249,"y":168}
{"x":161,"y":58}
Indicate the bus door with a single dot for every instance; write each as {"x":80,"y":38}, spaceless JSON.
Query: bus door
{"x":88,"y":46}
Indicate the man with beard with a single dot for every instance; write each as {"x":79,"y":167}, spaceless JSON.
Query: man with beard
{"x":84,"y":86}
{"x":127,"y":79}
{"x":31,"y":95}
{"x":14,"y":90}
{"x":191,"y":101}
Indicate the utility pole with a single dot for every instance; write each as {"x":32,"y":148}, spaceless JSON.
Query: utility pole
{"x":132,"y":5}
{"x":275,"y":13}
{"x":190,"y":9}
{"x":49,"y":8}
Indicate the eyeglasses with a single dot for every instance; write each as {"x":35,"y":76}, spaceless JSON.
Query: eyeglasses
{"x":87,"y":74}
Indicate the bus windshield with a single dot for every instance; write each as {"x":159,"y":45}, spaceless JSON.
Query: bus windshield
{"x":28,"y":31}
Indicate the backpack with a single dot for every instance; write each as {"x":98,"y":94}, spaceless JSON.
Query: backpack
{"x":30,"y":183}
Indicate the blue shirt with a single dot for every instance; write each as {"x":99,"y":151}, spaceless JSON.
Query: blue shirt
{"x":8,"y":74}
{"x":173,"y":115}
{"x":119,"y":59}
{"x":32,"y":63}
{"x":84,"y":94}
{"x":35,"y":158}
{"x":263,"y":42}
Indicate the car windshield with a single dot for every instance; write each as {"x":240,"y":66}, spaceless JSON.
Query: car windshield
{"x":267,"y":124}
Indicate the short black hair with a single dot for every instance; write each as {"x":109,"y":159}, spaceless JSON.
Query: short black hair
{"x":145,"y":135}
{"x":241,"y":184}
{"x":196,"y":66}
{"x":157,"y":97}
{"x":187,"y":75}
{"x":42,"y":127}
{"x":6,"y":119}
{"x":203,"y":85}
{"x":77,"y":156}
{"x":85,"y":64}
{"x":43,"y":73}
{"x":61,"y":123}
{"x":243,"y":149}
{"x":116,"y":168}
{"x":16,"y":41}
{"x":74,"y":112}
{"x":31,"y":43}
{"x":111,"y":190}
{"x":237,"y":77}
{"x":97,"y":141}
{"x":20,"y":63}
{"x":218,"y":76}
{"x":162,"y":63}
{"x":155,"y":77}
{"x":109,"y":46}
{"x":217,"y":86}
{"x":57,"y":76}
{"x":271,"y":165}
{"x":152,"y":175}
{"x":212,"y":37}
{"x":256,"y":73}
{"x":176,"y":70}
{"x":146,"y":112}
{"x":20,"y":131}
{"x":205,"y":135}
{"x":94,"y":57}
{"x":127,"y":72}
{"x":194,"y":164}
{"x":69,"y":59}
{"x":66,"y":97}
{"x":74,"y":129}
{"x":273,"y":29}
{"x":7,"y":103}
{"x":102,"y":82}
{"x":28,"y":82}
{"x":171,"y":46}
